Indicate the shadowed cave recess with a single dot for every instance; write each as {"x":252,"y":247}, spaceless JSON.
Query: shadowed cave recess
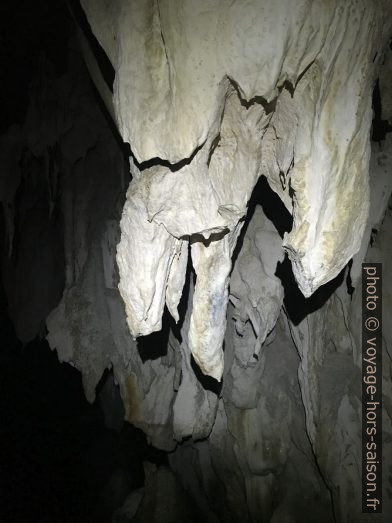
{"x":187,"y":193}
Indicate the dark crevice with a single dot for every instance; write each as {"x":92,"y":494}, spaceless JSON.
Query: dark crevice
{"x":289,"y":87}
{"x":269,"y":106}
{"x":303,"y":74}
{"x":349,"y":282}
{"x":296,"y":305}
{"x":380,"y":127}
{"x":183,"y":305}
{"x":104,"y":64}
{"x":214,"y":237}
{"x":207,"y":382}
{"x":214,"y":145}
{"x":173,"y":167}
{"x":273,"y":208}
{"x":122,"y":146}
{"x":373,"y":236}
{"x":154,"y":346}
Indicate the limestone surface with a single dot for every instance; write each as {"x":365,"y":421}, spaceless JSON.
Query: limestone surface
{"x":249,"y":126}
{"x":215,"y":94}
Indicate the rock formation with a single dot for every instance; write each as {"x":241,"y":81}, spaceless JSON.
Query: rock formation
{"x":217,"y":114}
{"x":216,"y":271}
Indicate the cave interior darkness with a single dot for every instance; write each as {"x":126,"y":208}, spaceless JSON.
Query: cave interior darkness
{"x":58,"y":460}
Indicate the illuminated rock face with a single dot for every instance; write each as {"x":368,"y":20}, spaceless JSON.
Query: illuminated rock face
{"x":278,"y":439}
{"x":219,"y":94}
{"x":210,"y":97}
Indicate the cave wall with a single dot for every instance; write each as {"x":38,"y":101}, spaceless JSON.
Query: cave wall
{"x":278,"y":437}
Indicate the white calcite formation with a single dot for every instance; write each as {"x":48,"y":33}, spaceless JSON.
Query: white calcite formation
{"x":217,"y":94}
{"x":210,"y":96}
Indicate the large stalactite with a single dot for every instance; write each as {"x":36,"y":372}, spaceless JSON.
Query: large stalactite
{"x":222,"y":108}
{"x":251,"y":184}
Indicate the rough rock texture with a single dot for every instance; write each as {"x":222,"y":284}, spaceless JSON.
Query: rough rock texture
{"x":210,"y":96}
{"x":164,"y":499}
{"x":202,"y":98}
{"x":200,"y":102}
